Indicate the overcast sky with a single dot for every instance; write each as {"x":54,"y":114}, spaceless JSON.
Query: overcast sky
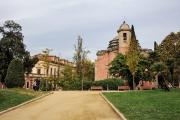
{"x":56,"y":24}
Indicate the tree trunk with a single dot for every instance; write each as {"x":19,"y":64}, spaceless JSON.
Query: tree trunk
{"x":82,"y":80}
{"x":133,"y":82}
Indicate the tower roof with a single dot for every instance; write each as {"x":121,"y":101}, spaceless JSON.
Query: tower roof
{"x":124,"y":27}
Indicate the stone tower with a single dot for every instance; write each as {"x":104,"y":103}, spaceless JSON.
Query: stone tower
{"x":124,"y":35}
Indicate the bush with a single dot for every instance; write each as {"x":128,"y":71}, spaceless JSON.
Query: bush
{"x":45,"y":87}
{"x":70,"y":85}
{"x":112,"y":84}
{"x":87,"y":85}
{"x":15,"y":74}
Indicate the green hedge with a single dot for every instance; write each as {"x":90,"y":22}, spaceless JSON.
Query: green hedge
{"x":70,"y":85}
{"x":111,"y":84}
{"x":45,"y":86}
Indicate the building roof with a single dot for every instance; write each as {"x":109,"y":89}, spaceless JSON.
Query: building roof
{"x":124,"y":27}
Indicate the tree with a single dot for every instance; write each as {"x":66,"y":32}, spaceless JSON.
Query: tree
{"x":68,"y":73}
{"x":15,"y":74}
{"x":80,"y":56}
{"x":155,"y":46}
{"x":46,"y":64}
{"x":158,"y":67}
{"x":12,"y":46}
{"x":167,"y":47}
{"x":171,"y":65}
{"x":119,"y":67}
{"x":45,"y":57}
{"x":154,"y":57}
{"x":29,"y":62}
{"x":169,"y":51}
{"x":89,"y":72}
{"x":144,"y":68}
{"x":133,"y":54}
{"x":2,"y":65}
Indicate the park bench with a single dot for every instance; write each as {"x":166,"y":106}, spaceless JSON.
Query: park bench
{"x":123,"y":88}
{"x":96,"y":88}
{"x":146,"y":85}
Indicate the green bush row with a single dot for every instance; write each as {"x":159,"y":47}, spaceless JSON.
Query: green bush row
{"x":110,"y":84}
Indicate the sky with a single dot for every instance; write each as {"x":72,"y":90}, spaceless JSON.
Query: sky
{"x":56,"y":24}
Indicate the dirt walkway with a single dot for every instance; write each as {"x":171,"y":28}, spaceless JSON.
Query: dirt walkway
{"x":65,"y":106}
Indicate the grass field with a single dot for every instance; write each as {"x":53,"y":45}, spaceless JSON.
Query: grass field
{"x":147,"y":105}
{"x":13,"y":97}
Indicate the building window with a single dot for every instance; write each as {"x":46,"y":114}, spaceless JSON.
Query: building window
{"x":38,"y":71}
{"x":51,"y":71}
{"x":124,"y":36}
{"x":54,"y":71}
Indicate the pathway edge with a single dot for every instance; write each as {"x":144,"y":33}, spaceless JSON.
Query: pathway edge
{"x":113,"y":107}
{"x":25,"y":103}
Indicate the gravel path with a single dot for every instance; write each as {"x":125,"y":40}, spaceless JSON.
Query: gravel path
{"x":70,"y":105}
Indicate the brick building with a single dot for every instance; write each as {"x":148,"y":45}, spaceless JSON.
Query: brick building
{"x":118,"y":44}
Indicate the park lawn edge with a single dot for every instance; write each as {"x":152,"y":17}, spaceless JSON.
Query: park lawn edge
{"x":169,"y":99}
{"x":34,"y":98}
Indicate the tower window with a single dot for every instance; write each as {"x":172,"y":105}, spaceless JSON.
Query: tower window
{"x":124,"y":36}
{"x":38,"y":71}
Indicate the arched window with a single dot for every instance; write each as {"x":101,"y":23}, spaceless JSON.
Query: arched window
{"x":124,"y":36}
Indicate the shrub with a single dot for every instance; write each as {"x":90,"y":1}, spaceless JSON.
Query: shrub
{"x":111,"y":84}
{"x":87,"y":85}
{"x":45,"y":87}
{"x":15,"y":74}
{"x":70,"y":85}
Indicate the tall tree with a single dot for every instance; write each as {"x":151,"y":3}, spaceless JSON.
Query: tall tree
{"x":171,"y":65}
{"x":68,"y":73}
{"x":12,"y":46}
{"x":89,"y":72}
{"x":80,"y":56}
{"x":133,"y":54}
{"x":155,"y":45}
{"x":15,"y":74}
{"x":45,"y":58}
{"x":168,"y":49}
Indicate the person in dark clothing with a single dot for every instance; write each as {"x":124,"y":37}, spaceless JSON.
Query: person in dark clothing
{"x":162,"y":82}
{"x":36,"y":85}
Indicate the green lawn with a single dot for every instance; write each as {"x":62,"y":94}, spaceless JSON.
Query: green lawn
{"x":13,"y":97}
{"x":147,"y":105}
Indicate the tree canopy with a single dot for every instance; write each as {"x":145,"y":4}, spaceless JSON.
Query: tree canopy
{"x":15,"y":74}
{"x":12,"y":47}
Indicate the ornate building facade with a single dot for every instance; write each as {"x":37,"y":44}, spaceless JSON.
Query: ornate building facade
{"x":119,"y":44}
{"x":39,"y":71}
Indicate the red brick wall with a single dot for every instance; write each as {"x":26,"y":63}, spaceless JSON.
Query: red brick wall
{"x":123,"y":50}
{"x":101,"y":65}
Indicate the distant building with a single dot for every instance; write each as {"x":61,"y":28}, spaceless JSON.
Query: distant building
{"x":39,"y":71}
{"x":119,"y":44}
